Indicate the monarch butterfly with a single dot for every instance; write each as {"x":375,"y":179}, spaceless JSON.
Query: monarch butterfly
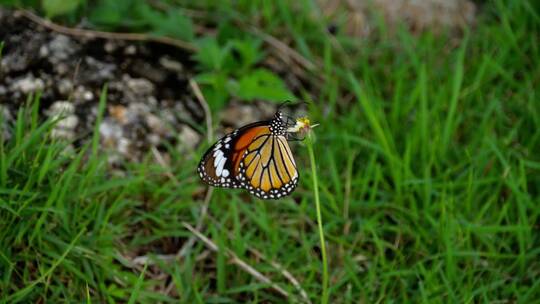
{"x":255,"y":157}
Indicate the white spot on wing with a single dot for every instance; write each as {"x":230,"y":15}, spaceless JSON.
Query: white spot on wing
{"x":219,"y":167}
{"x":218,"y":155}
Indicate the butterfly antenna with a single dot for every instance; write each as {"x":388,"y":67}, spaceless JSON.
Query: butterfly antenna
{"x":283,"y":104}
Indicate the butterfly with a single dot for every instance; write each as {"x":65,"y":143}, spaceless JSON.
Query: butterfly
{"x":255,"y":157}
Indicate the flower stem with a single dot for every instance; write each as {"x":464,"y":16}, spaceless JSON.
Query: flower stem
{"x":309,"y":144}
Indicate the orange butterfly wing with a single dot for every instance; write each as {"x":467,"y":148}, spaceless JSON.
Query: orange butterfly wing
{"x":219,"y":165}
{"x":267,"y":169}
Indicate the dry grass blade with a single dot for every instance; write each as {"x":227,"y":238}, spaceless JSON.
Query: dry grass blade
{"x":291,"y":53}
{"x":274,"y":264}
{"x":206,"y":109}
{"x":161,"y":161}
{"x":236,"y":260}
{"x":283,"y":271}
{"x":204,"y":211}
{"x":105,"y":35}
{"x":210,"y":136}
{"x":146,"y":259}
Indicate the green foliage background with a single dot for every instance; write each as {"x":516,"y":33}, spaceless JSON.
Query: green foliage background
{"x":428,"y":154}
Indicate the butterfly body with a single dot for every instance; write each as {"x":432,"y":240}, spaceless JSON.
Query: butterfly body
{"x":255,"y":157}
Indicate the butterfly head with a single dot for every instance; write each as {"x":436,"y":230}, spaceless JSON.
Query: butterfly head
{"x":278,"y":124}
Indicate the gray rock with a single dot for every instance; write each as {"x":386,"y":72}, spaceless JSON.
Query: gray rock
{"x":98,"y":71}
{"x":124,"y":146}
{"x":110,"y":46}
{"x":60,"y":48}
{"x":62,"y":68}
{"x":44,"y":51}
{"x":171,"y":64}
{"x":65,"y":86}
{"x":68,"y":121}
{"x":110,"y":131}
{"x":60,"y":108}
{"x":148,"y":70}
{"x":156,"y":125}
{"x":238,"y":115}
{"x":188,"y":139}
{"x":27,"y":46}
{"x":130,"y":50}
{"x":58,"y":51}
{"x":139,"y":86}
{"x":153,"y":139}
{"x":5,"y":118}
{"x":168,"y":116}
{"x":82,"y":95}
{"x":135,"y":111}
{"x":181,"y":112}
{"x":60,"y":133}
{"x":27,"y":84}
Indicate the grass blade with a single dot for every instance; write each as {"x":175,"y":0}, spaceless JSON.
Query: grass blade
{"x":135,"y":294}
{"x":99,"y":119}
{"x":17,"y":296}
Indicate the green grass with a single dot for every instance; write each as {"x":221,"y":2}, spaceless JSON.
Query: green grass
{"x":428,"y":173}
{"x":313,"y":165}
